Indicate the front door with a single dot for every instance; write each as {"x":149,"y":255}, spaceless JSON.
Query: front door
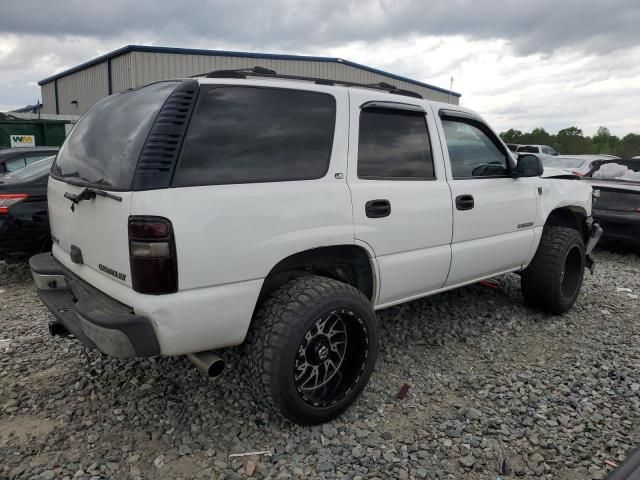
{"x":493,"y":213}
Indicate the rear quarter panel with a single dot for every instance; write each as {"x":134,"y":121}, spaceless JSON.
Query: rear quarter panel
{"x":229,"y":237}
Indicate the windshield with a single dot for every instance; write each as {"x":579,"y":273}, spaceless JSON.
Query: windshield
{"x":33,"y":171}
{"x":104,"y":146}
{"x":563,"y":162}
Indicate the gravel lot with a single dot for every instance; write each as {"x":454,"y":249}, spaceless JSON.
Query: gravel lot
{"x":497,"y":390}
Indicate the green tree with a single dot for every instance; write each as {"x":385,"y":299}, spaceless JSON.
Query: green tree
{"x":571,"y":141}
{"x":538,"y":136}
{"x":511,"y":136}
{"x":629,"y":146}
{"x":604,"y":142}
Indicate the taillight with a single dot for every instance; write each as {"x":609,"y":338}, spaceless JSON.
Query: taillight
{"x":578,"y":173}
{"x":9,"y":199}
{"x":152,"y":253}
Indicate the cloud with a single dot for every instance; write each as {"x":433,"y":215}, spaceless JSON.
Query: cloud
{"x":521,"y":64}
{"x":540,"y":26}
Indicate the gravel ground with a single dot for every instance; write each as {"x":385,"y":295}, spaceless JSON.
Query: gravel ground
{"x":497,"y":390}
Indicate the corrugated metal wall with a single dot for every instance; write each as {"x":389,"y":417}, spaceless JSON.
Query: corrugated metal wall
{"x":135,"y":69}
{"x":86,"y":87}
{"x":48,"y":97}
{"x":149,"y":67}
{"x":121,"y":73}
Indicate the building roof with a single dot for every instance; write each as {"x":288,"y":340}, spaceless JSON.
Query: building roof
{"x":28,"y":108}
{"x":222,"y":53}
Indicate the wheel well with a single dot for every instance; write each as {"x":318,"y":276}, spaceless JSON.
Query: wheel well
{"x":568,"y":217}
{"x":346,"y":263}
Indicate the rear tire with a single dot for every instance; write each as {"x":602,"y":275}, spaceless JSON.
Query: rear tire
{"x":311,"y":349}
{"x":553,"y":279}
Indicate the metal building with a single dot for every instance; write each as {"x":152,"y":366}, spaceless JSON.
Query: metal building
{"x":74,"y":91}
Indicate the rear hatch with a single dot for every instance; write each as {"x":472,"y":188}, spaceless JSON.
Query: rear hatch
{"x":92,"y":182}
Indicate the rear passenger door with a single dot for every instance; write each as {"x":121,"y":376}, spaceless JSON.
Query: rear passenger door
{"x":401,"y":200}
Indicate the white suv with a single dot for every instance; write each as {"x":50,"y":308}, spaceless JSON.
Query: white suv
{"x":542,"y":150}
{"x":279,"y":212}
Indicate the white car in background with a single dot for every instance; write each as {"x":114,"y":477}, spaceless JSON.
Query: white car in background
{"x":576,"y":164}
{"x":540,"y":150}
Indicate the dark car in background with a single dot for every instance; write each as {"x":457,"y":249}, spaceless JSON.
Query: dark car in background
{"x":617,"y":204}
{"x":24,"y":217}
{"x":13,"y":159}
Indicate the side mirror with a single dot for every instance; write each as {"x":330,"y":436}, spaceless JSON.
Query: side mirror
{"x":528,"y":166}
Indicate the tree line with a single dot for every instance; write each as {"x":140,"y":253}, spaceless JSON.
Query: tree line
{"x":572,"y":141}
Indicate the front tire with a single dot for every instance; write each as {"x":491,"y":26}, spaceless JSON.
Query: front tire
{"x":553,"y":279}
{"x":311,"y":348}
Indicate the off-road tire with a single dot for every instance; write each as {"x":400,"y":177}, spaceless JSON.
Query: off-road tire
{"x":553,"y":279}
{"x":274,"y":346}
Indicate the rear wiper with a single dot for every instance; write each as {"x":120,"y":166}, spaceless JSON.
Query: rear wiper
{"x":89,"y":194}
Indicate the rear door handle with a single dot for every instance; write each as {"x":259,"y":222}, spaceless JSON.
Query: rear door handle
{"x":378,"y":208}
{"x":464,"y":202}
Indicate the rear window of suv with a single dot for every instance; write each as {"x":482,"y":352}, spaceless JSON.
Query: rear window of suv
{"x":104,"y":147}
{"x":257,"y":134}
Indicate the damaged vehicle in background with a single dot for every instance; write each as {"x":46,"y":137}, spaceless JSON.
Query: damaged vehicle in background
{"x":24,"y":218}
{"x":576,"y":164}
{"x":616,"y":184}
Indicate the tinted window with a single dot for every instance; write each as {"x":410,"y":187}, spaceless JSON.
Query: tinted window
{"x":394,"y":144}
{"x":104,"y":146}
{"x":252,"y":134}
{"x":528,"y":149}
{"x":472,"y":152}
{"x":15,"y":164}
{"x":549,"y":150}
{"x":512,"y":147}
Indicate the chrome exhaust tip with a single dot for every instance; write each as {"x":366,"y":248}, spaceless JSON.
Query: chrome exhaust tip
{"x":207,"y":362}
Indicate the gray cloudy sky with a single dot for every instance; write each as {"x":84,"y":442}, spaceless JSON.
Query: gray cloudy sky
{"x":520,"y":63}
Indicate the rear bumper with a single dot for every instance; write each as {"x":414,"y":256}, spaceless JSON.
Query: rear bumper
{"x":622,"y":226}
{"x":94,"y":318}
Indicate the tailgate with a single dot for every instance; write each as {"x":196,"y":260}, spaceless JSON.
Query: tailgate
{"x":96,"y":229}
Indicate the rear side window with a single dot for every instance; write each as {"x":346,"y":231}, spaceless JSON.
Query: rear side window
{"x":104,"y":147}
{"x":255,"y":134}
{"x":394,"y":144}
{"x":15,"y":164}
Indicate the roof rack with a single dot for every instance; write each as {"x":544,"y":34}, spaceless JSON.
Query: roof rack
{"x":268,"y":73}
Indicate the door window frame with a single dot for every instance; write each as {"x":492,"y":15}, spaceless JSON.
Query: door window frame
{"x":400,"y":107}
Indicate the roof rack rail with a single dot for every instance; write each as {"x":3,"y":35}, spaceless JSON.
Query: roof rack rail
{"x":268,"y":73}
